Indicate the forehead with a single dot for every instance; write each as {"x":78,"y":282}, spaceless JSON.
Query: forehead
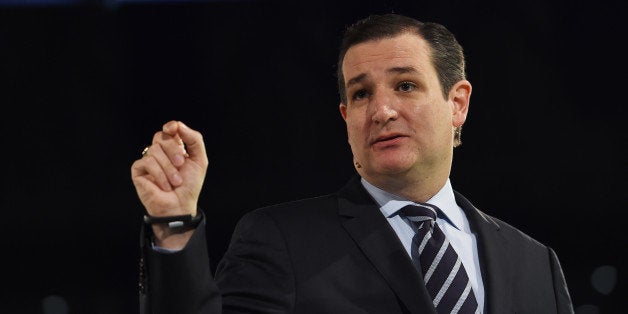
{"x":404,"y":50}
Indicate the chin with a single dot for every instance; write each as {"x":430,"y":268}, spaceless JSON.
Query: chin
{"x":391,"y":168}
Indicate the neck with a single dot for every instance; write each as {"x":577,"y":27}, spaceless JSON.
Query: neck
{"x":416,"y":187}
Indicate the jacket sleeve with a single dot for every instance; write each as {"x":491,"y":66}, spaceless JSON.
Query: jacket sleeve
{"x":563,"y":299}
{"x":178,"y":282}
{"x":254,"y":276}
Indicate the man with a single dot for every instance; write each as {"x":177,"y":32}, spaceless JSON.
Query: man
{"x":404,"y":98}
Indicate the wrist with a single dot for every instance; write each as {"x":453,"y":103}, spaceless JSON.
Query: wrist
{"x":172,"y":232}
{"x":179,"y":222}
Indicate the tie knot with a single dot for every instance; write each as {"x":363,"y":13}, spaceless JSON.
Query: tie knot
{"x":419,"y":212}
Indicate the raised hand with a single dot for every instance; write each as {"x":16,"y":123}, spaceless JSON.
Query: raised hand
{"x":169,"y":176}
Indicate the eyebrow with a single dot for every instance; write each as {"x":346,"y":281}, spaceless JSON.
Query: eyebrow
{"x":397,"y":70}
{"x":402,"y":70}
{"x":356,"y":79}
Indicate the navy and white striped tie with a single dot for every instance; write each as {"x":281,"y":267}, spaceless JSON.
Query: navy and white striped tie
{"x":444,"y":275}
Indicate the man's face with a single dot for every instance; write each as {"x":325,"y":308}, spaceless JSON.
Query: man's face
{"x":399,"y":125}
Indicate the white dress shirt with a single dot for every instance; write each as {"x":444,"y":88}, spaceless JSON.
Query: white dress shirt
{"x":451,"y":220}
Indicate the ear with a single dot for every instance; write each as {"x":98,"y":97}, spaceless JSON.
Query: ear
{"x":460,"y":96}
{"x":343,"y":111}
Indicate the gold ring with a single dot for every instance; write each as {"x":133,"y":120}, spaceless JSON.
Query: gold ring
{"x":145,"y":151}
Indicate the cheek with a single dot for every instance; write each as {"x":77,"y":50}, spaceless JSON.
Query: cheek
{"x":357,"y":128}
{"x":433,"y":116}
{"x":353,"y":126}
{"x":356,"y":140}
{"x":352,"y":132}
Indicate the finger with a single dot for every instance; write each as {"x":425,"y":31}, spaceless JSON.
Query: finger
{"x":193,"y":143}
{"x":146,"y":173}
{"x":176,"y":149}
{"x":171,"y":127}
{"x":161,"y":151}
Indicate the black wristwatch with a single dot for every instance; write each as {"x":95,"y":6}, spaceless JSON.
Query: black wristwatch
{"x":175,"y":222}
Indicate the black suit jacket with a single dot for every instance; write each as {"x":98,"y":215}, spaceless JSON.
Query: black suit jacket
{"x":338,"y":254}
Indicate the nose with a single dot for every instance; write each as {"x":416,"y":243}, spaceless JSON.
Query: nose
{"x":383,"y":107}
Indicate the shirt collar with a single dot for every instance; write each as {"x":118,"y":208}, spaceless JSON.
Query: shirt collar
{"x":445,"y":200}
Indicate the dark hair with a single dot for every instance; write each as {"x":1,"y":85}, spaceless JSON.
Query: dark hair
{"x":447,"y":55}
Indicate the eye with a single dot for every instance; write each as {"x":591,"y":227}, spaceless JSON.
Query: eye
{"x":406,"y":86}
{"x":360,"y":94}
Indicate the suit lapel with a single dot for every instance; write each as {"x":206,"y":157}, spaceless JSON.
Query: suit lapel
{"x":370,"y":230}
{"x":495,"y":263}
{"x":368,"y":227}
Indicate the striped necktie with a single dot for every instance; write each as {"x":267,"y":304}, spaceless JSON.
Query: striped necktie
{"x":444,"y":275}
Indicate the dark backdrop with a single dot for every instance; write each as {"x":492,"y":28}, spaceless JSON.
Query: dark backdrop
{"x":84,"y":86}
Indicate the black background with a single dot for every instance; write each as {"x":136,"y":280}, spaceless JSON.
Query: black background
{"x":84,"y":87}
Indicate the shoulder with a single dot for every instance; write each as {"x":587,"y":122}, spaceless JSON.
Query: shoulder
{"x":485,"y":224}
{"x":296,"y":216}
{"x":509,"y":231}
{"x":299,"y":207}
{"x":302,"y":205}
{"x":296,"y":211}
{"x":315,"y":221}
